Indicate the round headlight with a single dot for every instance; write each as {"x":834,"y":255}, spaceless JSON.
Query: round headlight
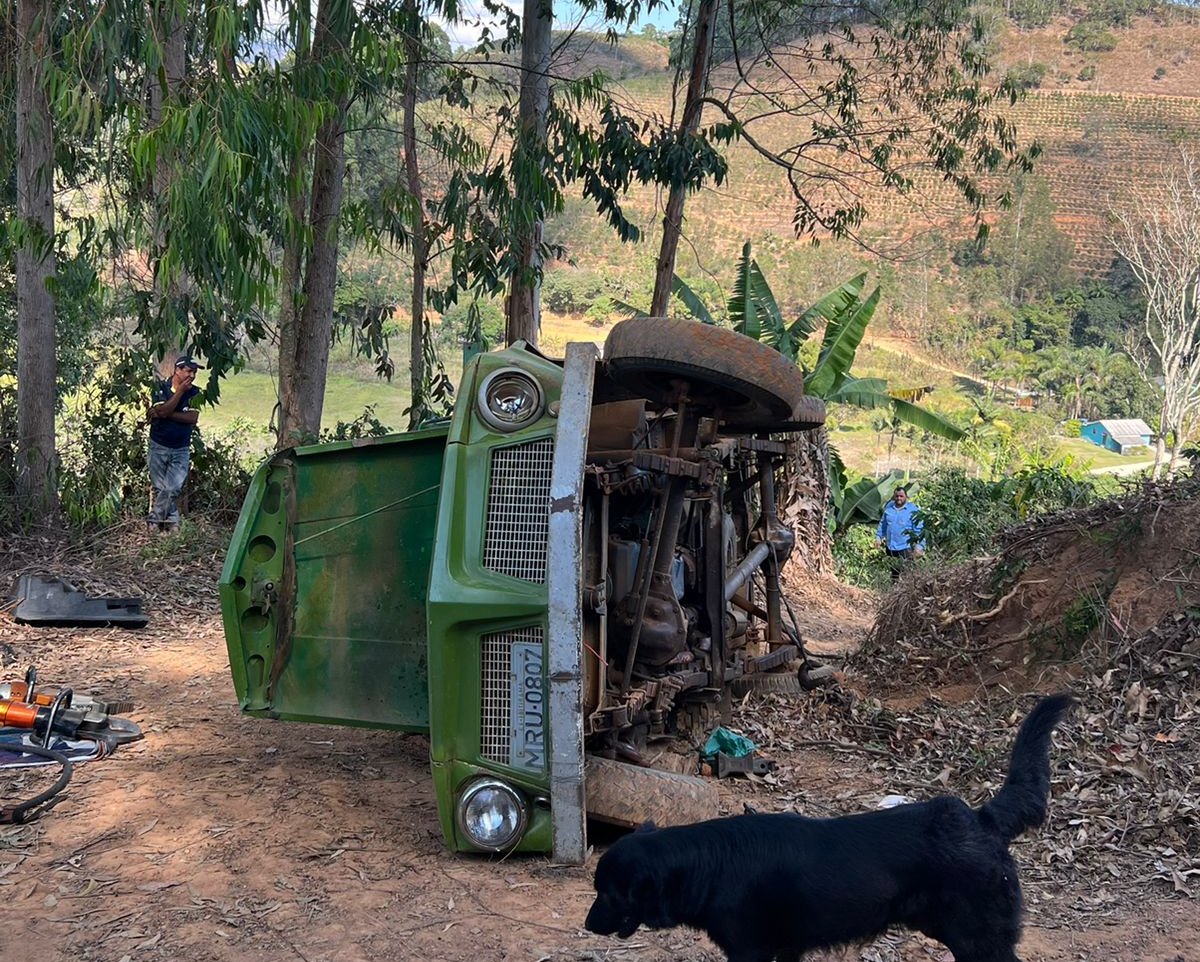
{"x":510,"y":399}
{"x":491,"y":815}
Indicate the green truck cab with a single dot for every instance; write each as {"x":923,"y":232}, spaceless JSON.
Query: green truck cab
{"x":581,"y":562}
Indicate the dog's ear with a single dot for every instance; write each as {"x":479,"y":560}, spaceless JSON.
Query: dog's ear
{"x":646,"y":826}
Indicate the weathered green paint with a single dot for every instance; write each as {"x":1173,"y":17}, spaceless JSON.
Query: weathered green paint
{"x":467,"y":601}
{"x":344,"y":533}
{"x":354,"y":590}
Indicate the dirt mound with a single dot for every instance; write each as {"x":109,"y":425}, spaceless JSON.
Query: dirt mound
{"x":1103,"y":601}
{"x":1087,"y":589}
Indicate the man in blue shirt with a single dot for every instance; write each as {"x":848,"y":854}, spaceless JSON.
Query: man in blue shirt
{"x":171,"y":421}
{"x":899,"y":531}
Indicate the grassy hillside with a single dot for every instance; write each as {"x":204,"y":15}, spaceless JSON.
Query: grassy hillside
{"x":1107,"y":121}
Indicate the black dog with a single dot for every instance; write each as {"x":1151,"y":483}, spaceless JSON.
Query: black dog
{"x":770,"y":887}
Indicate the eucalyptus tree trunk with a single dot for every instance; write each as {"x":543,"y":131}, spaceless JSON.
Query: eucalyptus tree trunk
{"x":420,"y":237}
{"x":290,"y":300}
{"x":306,"y":369}
{"x":169,"y":28}
{"x":524,"y":300}
{"x":37,"y":475}
{"x":664,"y":271}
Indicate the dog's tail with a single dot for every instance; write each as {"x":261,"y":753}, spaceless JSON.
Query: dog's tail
{"x":1021,"y":802}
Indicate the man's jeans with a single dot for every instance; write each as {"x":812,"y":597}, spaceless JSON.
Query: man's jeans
{"x":168,"y":471}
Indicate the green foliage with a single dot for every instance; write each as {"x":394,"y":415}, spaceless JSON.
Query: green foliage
{"x":1030,"y":255}
{"x":572,"y":291}
{"x":863,"y":501}
{"x":859,"y":560}
{"x":458,"y":323}
{"x":366,"y":425}
{"x":1072,"y":428}
{"x":1036,"y":13}
{"x":1091,"y":36}
{"x":1028,"y":76}
{"x":962,"y":514}
{"x":846,"y":313}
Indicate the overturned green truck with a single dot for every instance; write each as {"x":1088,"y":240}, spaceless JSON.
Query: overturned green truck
{"x":583,"y":561}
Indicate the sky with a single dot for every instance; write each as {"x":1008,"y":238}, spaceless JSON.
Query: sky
{"x":567,"y":15}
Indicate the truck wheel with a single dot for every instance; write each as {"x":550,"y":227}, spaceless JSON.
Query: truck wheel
{"x":806,"y":416}
{"x":775,"y":683}
{"x":745,"y":381}
{"x":622,"y":794}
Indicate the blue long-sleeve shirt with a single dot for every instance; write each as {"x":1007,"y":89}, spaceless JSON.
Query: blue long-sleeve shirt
{"x":898,"y":525}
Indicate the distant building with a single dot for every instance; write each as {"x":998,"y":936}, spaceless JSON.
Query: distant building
{"x":1118,"y":436}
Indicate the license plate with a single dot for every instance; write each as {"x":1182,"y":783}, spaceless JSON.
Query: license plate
{"x":527,"y":748}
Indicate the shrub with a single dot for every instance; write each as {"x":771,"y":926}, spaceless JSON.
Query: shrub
{"x":456,"y":321}
{"x":1027,"y":76}
{"x":1088,"y":72}
{"x":859,"y":561}
{"x":1072,"y":428}
{"x":570,"y":291}
{"x":601,"y":312}
{"x":1091,"y":36}
{"x":366,"y":425}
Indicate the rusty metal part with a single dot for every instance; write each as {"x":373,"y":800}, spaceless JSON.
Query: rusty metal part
{"x":674,"y":467}
{"x":768,"y":528}
{"x":714,"y":579}
{"x":742,"y":765}
{"x":670,"y":631}
{"x":775,"y":658}
{"x":741,"y":574}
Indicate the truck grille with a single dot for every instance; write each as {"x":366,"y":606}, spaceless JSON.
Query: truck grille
{"x":518,"y":511}
{"x":496,"y":735}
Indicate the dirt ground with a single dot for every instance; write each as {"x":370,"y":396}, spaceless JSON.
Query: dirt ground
{"x":225,"y":838}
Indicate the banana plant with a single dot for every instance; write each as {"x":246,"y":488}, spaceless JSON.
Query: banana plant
{"x":846,"y":313}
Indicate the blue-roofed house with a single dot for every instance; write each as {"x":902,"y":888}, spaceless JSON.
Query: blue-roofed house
{"x":1118,"y":435}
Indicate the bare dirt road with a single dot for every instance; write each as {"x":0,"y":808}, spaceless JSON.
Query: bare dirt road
{"x":237,"y":840}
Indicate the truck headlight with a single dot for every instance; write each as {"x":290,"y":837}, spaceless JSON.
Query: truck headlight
{"x":491,"y":814}
{"x":510,"y":399}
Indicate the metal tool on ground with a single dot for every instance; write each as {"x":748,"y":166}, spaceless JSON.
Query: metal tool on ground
{"x":742,"y":765}
{"x":52,"y":601}
{"x":59,"y":728}
{"x":62,"y":717}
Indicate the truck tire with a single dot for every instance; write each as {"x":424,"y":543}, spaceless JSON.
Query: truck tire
{"x":744,"y":381}
{"x":775,"y":683}
{"x":808,"y":415}
{"x":627,"y":795}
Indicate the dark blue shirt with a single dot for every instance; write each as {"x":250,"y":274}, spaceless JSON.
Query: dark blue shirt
{"x":164,"y":431}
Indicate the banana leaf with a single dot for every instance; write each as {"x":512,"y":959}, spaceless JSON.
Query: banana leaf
{"x":628,"y":309}
{"x":869,"y":393}
{"x":691,"y":300}
{"x":828,"y":308}
{"x":925,"y":420}
{"x":839,"y":346}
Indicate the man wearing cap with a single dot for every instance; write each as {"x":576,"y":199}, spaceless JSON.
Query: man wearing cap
{"x":171,"y":422}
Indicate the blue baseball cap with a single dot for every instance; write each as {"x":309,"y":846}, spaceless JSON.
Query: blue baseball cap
{"x":186,"y":360}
